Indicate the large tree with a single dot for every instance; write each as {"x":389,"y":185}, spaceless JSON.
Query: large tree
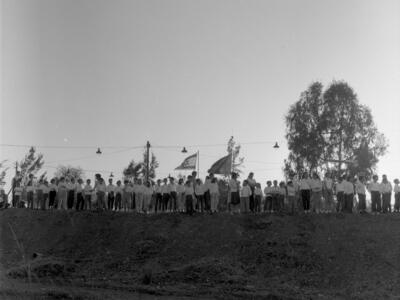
{"x":31,"y":164}
{"x":139,"y":169}
{"x":3,"y":171}
{"x":331,"y":130}
{"x":69,"y":172}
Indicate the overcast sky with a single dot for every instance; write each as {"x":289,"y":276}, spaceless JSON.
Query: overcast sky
{"x":119,"y":73}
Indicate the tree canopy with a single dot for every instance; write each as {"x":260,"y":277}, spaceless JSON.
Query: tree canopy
{"x":69,"y":172}
{"x":139,"y":170}
{"x":31,"y":164}
{"x":331,"y":130}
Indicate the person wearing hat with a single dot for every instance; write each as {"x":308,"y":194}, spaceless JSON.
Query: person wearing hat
{"x":396,"y":190}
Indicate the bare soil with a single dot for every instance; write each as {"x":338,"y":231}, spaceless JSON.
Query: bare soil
{"x":92,"y":255}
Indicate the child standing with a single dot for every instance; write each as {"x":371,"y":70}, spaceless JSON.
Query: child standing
{"x":214,"y":195}
{"x":189,"y":197}
{"x":118,"y":196}
{"x":340,"y":195}
{"x":360,"y":190}
{"x":88,"y":191}
{"x":199,"y":193}
{"x":139,"y":195}
{"x":147,"y":194}
{"x":165,"y":195}
{"x":316,"y":193}
{"x":30,"y":191}
{"x":305,"y":192}
{"x":180,"y":190}
{"x":257,"y":198}
{"x":233,"y":189}
{"x":80,"y":201}
{"x":62,"y":194}
{"x":291,"y":194}
{"x":173,"y":195}
{"x":268,"y":197}
{"x":110,"y":194}
{"x":375,"y":189}
{"x":245,"y":197}
{"x":126,"y":196}
{"x":396,"y":190}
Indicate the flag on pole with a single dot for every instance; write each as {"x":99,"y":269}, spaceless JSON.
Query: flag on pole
{"x":189,"y":163}
{"x":222,"y":166}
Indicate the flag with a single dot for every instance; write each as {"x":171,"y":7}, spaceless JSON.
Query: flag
{"x":222,"y":166}
{"x":189,"y":163}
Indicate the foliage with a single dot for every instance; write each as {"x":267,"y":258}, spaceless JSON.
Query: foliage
{"x":31,"y":163}
{"x":322,"y":127}
{"x":234,"y":148}
{"x":69,"y":172}
{"x":139,"y":170}
{"x":3,"y":171}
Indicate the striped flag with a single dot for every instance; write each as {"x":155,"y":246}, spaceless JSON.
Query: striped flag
{"x":189,"y":163}
{"x":222,"y":166}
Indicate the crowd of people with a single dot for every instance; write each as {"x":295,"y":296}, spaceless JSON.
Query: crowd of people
{"x":298,"y":194}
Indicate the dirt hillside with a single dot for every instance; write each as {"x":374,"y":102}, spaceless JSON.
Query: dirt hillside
{"x":211,"y":256}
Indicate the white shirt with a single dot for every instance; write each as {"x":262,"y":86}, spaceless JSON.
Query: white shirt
{"x":340,"y":187}
{"x":101,"y":187}
{"x":78,"y":188}
{"x":118,"y":189}
{"x":18,"y":191}
{"x":87,"y":190}
{"x":360,"y":187}
{"x":257,"y":191}
{"x":148,"y":191}
{"x":165,"y":189}
{"x":233,"y":186}
{"x":246,"y":191}
{"x":110,"y":188}
{"x":291,"y":190}
{"x":396,"y":188}
{"x":128,"y":189}
{"x":172,"y":187}
{"x":158,"y":189}
{"x":199,"y":189}
{"x":52,"y":187}
{"x":328,"y":183}
{"x":305,"y":184}
{"x":348,"y":187}
{"x":386,"y":187}
{"x":214,"y":189}
{"x":316,"y":185}
{"x":139,"y":189}
{"x":180,"y":188}
{"x":268,"y":190}
{"x":189,"y":190}
{"x":374,"y":187}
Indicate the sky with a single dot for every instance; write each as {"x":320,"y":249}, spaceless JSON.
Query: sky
{"x":115,"y":74}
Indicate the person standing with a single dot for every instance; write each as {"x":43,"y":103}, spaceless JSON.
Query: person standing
{"x":52,"y":194}
{"x":386,"y":190}
{"x":139,"y":196}
{"x":62,"y":191}
{"x":80,"y":201}
{"x":268,"y":191}
{"x":165,"y":195}
{"x":257,"y":198}
{"x":101,"y":189}
{"x":327,"y":191}
{"x":199,"y":193}
{"x":17,"y":198}
{"x":348,"y":194}
{"x":159,"y":198}
{"x":361,"y":190}
{"x":291,"y":194}
{"x":207,"y":195}
{"x":110,"y":194}
{"x":233,"y":188}
{"x":147,"y":194}
{"x":396,"y":190}
{"x":180,"y":190}
{"x":252,"y":184}
{"x":71,"y":193}
{"x":214,"y":195}
{"x":189,"y":197}
{"x":316,"y":193}
{"x":173,"y":195}
{"x":375,"y":189}
{"x":245,"y":197}
{"x":339,"y":189}
{"x":305,"y":192}
{"x":30,"y":192}
{"x":88,"y":192}
{"x":118,"y":196}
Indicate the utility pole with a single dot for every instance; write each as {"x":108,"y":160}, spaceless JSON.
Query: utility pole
{"x":147,"y":160}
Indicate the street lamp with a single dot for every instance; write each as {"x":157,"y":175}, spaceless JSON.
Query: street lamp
{"x":98,"y":151}
{"x":276,"y":146}
{"x":184,"y":150}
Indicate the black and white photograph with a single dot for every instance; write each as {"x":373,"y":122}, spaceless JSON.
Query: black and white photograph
{"x":199,"y":149}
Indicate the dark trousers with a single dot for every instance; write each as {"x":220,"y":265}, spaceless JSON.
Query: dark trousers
{"x":80,"y":202}
{"x":397,"y":202}
{"x":110,"y":202}
{"x":189,"y":204}
{"x":39,"y":200}
{"x":172,"y":202}
{"x":386,"y":207}
{"x":118,"y":201}
{"x":348,"y":203}
{"x":200,"y":203}
{"x":133,"y":204}
{"x":159,"y":200}
{"x":362,"y":205}
{"x":268,"y":203}
{"x":340,"y":201}
{"x":305,"y":198}
{"x":165,"y":201}
{"x":257,"y":203}
{"x":70,"y":199}
{"x":52,"y":198}
{"x":88,"y":202}
{"x":207,"y":200}
{"x":29,"y":199}
{"x":251,"y":202}
{"x":375,"y":201}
